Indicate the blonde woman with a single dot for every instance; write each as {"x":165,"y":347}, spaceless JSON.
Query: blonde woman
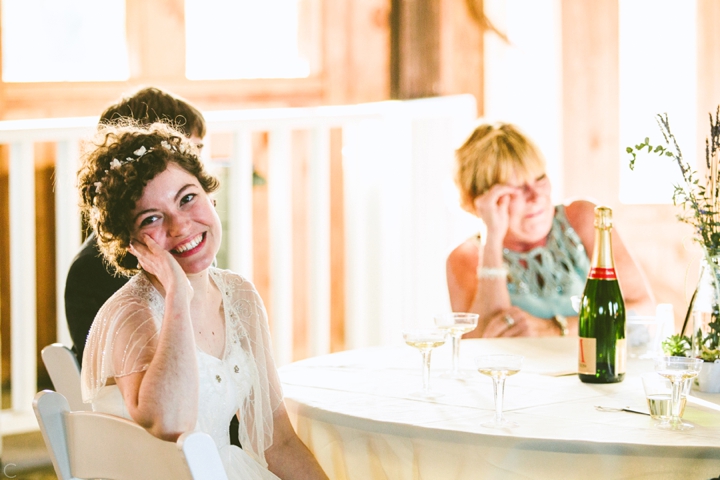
{"x":534,"y":257}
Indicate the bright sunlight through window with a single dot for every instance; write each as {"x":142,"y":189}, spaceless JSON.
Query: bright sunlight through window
{"x":63,"y":40}
{"x":230,"y":39}
{"x":522,"y":77}
{"x":657,"y":75}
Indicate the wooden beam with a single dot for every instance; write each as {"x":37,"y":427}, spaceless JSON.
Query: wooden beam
{"x":590,"y":79}
{"x":356,"y":48}
{"x":337,"y":243}
{"x":708,"y":69}
{"x":461,"y":50}
{"x":156,"y":38}
{"x":3,"y":108}
{"x":415,"y":49}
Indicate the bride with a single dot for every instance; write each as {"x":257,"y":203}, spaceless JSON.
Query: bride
{"x":182,"y":346}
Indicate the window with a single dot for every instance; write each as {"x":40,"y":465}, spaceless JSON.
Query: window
{"x":522,"y":75}
{"x":63,"y":40}
{"x":232,"y":39}
{"x":657,"y":75}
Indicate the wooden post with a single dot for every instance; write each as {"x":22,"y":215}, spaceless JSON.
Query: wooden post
{"x":156,"y":39}
{"x":708,"y":70}
{"x":462,"y":45}
{"x":590,"y":56}
{"x":415,"y":49}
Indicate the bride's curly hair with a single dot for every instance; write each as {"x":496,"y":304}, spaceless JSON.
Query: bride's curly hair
{"x":117,"y":165}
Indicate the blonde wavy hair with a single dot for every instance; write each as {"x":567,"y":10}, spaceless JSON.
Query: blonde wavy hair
{"x":494,"y":154}
{"x":117,"y":165}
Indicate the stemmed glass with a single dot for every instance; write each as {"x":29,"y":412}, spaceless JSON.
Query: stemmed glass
{"x":499,"y":367}
{"x":425,"y":339}
{"x":678,"y":370}
{"x":456,"y":324}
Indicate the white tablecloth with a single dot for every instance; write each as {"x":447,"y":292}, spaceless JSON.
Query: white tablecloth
{"x":354,"y":411}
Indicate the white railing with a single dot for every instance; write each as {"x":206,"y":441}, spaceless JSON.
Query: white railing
{"x":401,"y":218}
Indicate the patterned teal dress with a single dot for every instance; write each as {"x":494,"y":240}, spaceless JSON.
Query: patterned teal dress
{"x":543,"y":280}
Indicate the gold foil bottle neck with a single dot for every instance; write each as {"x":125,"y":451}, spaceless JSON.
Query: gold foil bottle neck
{"x":603,"y":217}
{"x":602,"y":253}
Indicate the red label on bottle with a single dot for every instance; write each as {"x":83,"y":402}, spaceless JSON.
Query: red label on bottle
{"x":602,"y":274}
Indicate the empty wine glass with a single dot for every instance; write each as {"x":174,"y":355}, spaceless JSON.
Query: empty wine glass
{"x":499,"y":367}
{"x":677,"y":370}
{"x":456,"y":324}
{"x":425,"y":339}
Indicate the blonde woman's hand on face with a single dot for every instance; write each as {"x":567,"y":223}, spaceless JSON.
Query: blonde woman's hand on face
{"x":493,"y":208}
{"x":161,"y":264}
{"x":515,"y":322}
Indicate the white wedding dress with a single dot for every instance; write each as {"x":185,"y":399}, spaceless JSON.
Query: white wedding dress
{"x":243,"y":381}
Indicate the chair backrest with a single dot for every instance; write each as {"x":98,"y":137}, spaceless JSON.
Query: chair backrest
{"x":64,"y":371}
{"x":85,"y":445}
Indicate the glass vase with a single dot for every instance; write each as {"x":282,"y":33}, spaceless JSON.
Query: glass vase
{"x":705,"y":307}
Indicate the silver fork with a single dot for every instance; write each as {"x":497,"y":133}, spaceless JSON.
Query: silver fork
{"x":619,"y":409}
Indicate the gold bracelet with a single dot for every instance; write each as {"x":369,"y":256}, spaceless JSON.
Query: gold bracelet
{"x":562,"y":323}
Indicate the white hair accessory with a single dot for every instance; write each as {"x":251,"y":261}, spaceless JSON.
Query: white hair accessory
{"x":115,"y":164}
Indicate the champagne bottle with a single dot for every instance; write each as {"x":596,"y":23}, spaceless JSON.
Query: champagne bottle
{"x":601,"y":327}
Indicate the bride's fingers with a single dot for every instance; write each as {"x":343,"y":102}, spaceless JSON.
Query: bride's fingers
{"x":149,"y":249}
{"x":140,"y":256}
{"x":152,"y":245}
{"x":132,"y":248}
{"x":148,"y":253}
{"x":138,"y":247}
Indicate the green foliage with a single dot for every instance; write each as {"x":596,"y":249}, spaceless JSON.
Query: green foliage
{"x":709,"y":355}
{"x":709,"y":348}
{"x":695,"y":199}
{"x":676,"y":346}
{"x":699,"y":208}
{"x":258,"y":180}
{"x":680,"y":346}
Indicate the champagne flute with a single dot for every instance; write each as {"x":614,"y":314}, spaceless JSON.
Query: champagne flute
{"x":499,"y":367}
{"x":425,"y":339}
{"x":678,"y":370}
{"x":456,"y":324}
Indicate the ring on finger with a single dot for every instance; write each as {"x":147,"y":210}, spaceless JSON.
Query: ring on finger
{"x":509,"y":320}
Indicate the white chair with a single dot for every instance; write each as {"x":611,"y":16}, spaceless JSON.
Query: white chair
{"x":64,"y":371}
{"x":86,"y":445}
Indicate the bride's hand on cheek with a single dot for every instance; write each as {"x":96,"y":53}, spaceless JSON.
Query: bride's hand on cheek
{"x":160,"y":263}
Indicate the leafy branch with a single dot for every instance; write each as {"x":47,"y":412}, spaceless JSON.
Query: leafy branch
{"x":698,"y":202}
{"x":701,"y":209}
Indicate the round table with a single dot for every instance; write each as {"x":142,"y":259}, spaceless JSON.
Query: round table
{"x":355,"y":412}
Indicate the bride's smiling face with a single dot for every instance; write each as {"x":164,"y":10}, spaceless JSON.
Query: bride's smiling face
{"x":179,"y":215}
